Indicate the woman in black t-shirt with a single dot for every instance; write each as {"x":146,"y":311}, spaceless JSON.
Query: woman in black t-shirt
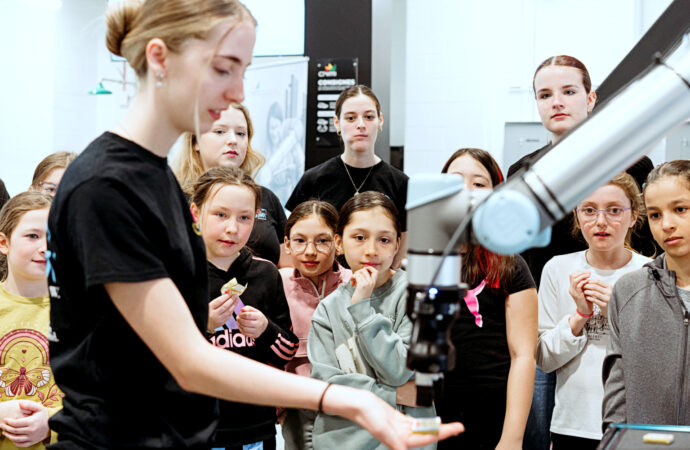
{"x":229,"y":144}
{"x":127,"y":272}
{"x":490,"y":389}
{"x":358,"y":119}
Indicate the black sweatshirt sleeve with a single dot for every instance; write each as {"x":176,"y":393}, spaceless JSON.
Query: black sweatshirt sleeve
{"x":278,"y":343}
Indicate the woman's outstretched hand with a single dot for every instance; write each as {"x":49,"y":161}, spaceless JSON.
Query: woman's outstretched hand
{"x":385,"y":423}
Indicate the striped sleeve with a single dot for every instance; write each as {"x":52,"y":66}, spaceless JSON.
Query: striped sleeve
{"x":278,"y":341}
{"x":284,"y":348}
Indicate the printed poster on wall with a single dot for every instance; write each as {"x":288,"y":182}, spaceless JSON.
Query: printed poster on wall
{"x":332,"y":77}
{"x":276,"y":96}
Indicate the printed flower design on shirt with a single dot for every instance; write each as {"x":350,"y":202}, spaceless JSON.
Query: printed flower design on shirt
{"x":597,"y":326}
{"x":473,"y":304}
{"x":24,"y":368}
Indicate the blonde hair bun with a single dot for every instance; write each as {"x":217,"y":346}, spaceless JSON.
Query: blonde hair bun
{"x":120,"y":20}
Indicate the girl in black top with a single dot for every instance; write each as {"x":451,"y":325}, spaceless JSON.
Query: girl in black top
{"x":229,"y":144}
{"x":358,"y":119}
{"x":490,"y":389}
{"x":255,"y":324}
{"x":127,"y":272}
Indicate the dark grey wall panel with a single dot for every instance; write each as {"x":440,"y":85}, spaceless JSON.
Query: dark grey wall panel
{"x":334,"y":29}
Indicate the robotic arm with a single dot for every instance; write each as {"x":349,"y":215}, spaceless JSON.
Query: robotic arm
{"x":518,"y":215}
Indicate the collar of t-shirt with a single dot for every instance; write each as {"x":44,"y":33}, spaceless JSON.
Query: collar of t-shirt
{"x":138,"y":149}
{"x":360,"y":173}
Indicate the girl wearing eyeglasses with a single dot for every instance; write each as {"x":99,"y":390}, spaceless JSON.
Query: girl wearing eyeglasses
{"x":49,"y":172}
{"x":573,"y":308}
{"x":254,"y":323}
{"x":313,"y":274}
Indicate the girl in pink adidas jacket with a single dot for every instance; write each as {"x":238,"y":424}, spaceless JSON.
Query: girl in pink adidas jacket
{"x":309,"y":234}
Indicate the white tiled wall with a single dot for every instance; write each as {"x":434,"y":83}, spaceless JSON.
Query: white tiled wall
{"x":26,"y":116}
{"x":51,"y":59}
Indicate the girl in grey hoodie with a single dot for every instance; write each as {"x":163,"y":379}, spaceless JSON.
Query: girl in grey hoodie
{"x":646,"y":378}
{"x":360,"y":333}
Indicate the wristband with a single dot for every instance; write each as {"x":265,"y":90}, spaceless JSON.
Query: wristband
{"x":323,"y":394}
{"x":586,"y":316}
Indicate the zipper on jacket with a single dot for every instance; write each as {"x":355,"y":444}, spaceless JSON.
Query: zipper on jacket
{"x":683,"y":398}
{"x":680,"y":419}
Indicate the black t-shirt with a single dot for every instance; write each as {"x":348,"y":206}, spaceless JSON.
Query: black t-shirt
{"x":243,"y":423}
{"x":475,"y":391}
{"x":329,"y":182}
{"x":269,"y":227}
{"x":120,"y":216}
{"x":562,"y":239}
{"x":482,"y":357}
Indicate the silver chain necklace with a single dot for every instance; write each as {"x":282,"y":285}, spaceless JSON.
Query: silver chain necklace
{"x":353,"y":181}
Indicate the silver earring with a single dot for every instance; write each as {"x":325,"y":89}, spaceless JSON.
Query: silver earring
{"x":160,"y":76}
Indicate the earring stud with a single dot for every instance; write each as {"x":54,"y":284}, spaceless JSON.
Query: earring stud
{"x":160,"y":76}
{"x":196,"y":227}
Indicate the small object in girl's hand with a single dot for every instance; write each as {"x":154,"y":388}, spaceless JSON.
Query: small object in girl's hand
{"x":427,"y":425}
{"x":232,"y":287}
{"x":658,"y":438}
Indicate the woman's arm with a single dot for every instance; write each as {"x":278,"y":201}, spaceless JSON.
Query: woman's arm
{"x":150,"y":306}
{"x":521,"y":332}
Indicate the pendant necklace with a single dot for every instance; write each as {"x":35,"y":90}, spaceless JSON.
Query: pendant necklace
{"x":353,"y":181}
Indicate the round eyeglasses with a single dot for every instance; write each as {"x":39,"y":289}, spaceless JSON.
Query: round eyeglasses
{"x":322,"y":245}
{"x":612,"y":213}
